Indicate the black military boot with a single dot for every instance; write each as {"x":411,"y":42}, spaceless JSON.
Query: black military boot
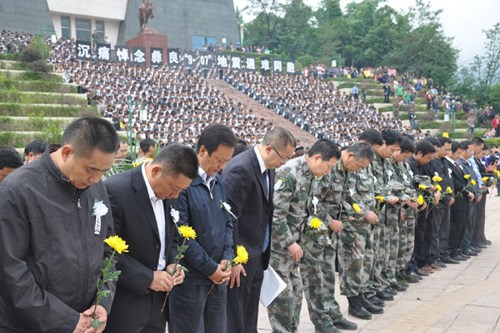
{"x":385,"y":296}
{"x":375,"y":300}
{"x":372,"y":308}
{"x":356,"y":309}
{"x":345,"y":324}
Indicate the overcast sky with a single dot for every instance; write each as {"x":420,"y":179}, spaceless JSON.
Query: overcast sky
{"x":464,"y":20}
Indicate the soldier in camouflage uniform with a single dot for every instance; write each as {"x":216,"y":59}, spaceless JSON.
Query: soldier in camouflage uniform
{"x":345,"y":205}
{"x":298,"y":244}
{"x":378,"y":287}
{"x":408,"y":212}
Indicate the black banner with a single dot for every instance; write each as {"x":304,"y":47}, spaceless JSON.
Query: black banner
{"x":156,"y":57}
{"x":222,"y":62}
{"x":121,"y":53}
{"x":250,"y":64}
{"x":206,"y":60}
{"x":139,"y":55}
{"x":277,"y":66}
{"x":189,"y":59}
{"x":236,"y":63}
{"x":174,"y":57}
{"x":83,"y":50}
{"x":265,"y":65}
{"x":103,"y":52}
{"x":290,"y":67}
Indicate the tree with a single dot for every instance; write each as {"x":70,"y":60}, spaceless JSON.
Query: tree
{"x":296,"y":34}
{"x":329,"y":10}
{"x":262,"y":30}
{"x":491,"y":59}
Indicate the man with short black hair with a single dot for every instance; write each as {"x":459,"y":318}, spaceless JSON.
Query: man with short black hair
{"x":34,"y":150}
{"x":247,"y":178}
{"x":145,"y":215}
{"x":199,"y":304}
{"x":10,"y":160}
{"x":51,"y":244}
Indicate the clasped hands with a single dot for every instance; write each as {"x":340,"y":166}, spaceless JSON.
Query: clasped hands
{"x":165,"y":281}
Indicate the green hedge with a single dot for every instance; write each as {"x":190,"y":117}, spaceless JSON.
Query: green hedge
{"x":492,"y":142}
{"x":31,"y":124}
{"x":420,"y":101}
{"x":27,"y":110}
{"x":420,"y":108}
{"x":29,"y":76}
{"x":14,"y":96}
{"x":18,"y":140}
{"x":41,"y":86}
{"x":9,"y":56}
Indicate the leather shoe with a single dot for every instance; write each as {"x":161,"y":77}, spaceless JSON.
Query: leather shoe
{"x":487,"y":242}
{"x":377,"y":301}
{"x":345,"y":324}
{"x":480,"y":246}
{"x":439,"y":264}
{"x":449,"y":260}
{"x":372,"y":308}
{"x":359,"y":312}
{"x":469,"y":253}
{"x":427,"y":269}
{"x":385,"y":296}
{"x":391,"y":291}
{"x":329,"y":329}
{"x":475,"y":249}
{"x":419,"y":272}
{"x":413,"y":277}
{"x":458,"y":257}
{"x":435,"y":267}
{"x":398,"y":287}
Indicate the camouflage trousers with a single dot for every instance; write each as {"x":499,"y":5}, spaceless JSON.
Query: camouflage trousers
{"x":377,"y":281}
{"x":317,"y":276}
{"x":284,"y":311}
{"x":391,"y":233}
{"x":406,"y":239}
{"x":352,"y":243}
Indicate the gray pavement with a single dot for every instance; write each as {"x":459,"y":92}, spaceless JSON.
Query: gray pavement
{"x":460,"y":298}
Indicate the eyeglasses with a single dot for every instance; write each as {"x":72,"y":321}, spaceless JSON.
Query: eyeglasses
{"x":284,"y":159}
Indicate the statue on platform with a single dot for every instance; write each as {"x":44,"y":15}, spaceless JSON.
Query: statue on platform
{"x":145,"y":12}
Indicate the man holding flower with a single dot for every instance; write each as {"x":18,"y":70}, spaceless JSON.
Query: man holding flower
{"x":144,"y":214}
{"x":197,"y":306}
{"x":53,"y":222}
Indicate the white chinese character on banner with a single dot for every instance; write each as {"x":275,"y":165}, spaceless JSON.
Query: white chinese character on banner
{"x":156,"y":57}
{"x":83,"y":51}
{"x":290,"y":67}
{"x":235,"y":63}
{"x":251,"y":63}
{"x":103,"y":53}
{"x":173,"y":58}
{"x":139,"y":56}
{"x":222,"y":61}
{"x":277,"y":66}
{"x":122,"y":54}
{"x":264,"y":64}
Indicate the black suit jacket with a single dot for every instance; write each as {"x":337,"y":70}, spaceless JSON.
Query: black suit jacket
{"x":135,"y":222}
{"x":459,"y":183}
{"x":244,"y":187}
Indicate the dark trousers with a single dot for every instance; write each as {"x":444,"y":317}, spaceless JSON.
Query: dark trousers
{"x":137,"y":314}
{"x":194,"y":310}
{"x":444,"y":233}
{"x":432,"y":233}
{"x":478,"y":234}
{"x":469,"y":226}
{"x":243,"y":302}
{"x":458,"y":219}
{"x":421,"y":250}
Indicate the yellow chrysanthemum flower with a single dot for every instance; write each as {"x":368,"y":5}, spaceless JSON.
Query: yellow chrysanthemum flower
{"x":497,"y":173}
{"x":467,"y":176}
{"x":356,"y":208}
{"x":316,"y":223}
{"x":116,"y":243}
{"x":380,"y":198}
{"x":422,"y":187}
{"x":437,"y":179}
{"x":439,"y":188}
{"x":241,"y":255}
{"x":485,"y":179}
{"x":473,"y":182}
{"x":187,"y":232}
{"x":449,"y":190}
{"x":420,"y":200}
{"x":446,"y":135}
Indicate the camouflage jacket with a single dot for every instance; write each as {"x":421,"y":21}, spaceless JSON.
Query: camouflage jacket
{"x":297,"y":199}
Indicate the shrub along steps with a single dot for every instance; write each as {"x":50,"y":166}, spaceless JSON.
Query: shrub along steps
{"x":45,"y":110}
{"x":37,"y":97}
{"x":38,"y":86}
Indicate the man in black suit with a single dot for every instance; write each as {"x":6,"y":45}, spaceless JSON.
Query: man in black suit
{"x":459,"y":210}
{"x":248,"y":181}
{"x":146,"y":219}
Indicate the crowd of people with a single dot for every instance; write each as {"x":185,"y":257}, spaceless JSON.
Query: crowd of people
{"x":381,"y":207}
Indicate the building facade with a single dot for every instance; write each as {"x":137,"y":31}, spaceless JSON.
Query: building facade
{"x":187,"y":23}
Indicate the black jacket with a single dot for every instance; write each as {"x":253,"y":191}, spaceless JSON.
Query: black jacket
{"x":50,"y":256}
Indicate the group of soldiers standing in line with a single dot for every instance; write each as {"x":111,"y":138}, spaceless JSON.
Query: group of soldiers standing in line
{"x":383,"y":212}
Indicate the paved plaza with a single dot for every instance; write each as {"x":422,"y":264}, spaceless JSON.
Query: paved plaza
{"x":460,"y":298}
